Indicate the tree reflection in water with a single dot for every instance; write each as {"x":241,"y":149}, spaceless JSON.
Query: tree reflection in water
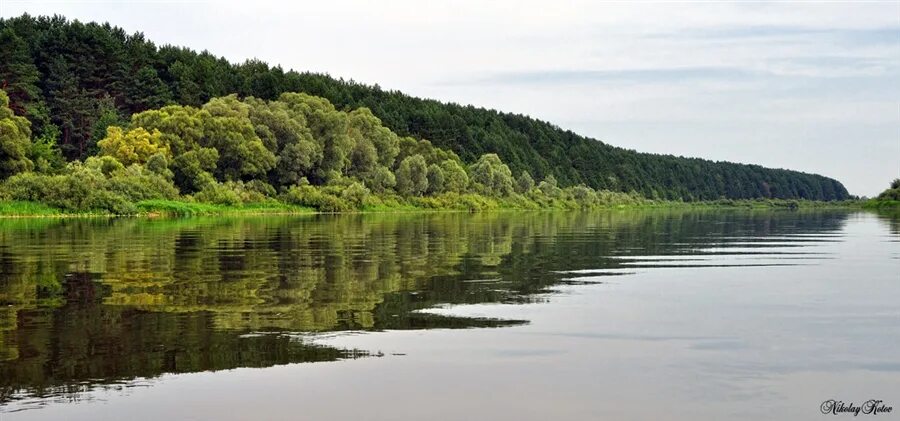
{"x":91,"y":302}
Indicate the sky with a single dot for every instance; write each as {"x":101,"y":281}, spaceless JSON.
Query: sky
{"x":810,"y":86}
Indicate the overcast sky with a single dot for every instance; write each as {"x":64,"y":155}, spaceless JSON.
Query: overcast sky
{"x":810,"y":86}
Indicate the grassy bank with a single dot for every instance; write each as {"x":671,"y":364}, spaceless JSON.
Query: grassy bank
{"x":180,"y":208}
{"x":21,"y":208}
{"x":152,"y":208}
{"x":882,"y":204}
{"x":458,"y":203}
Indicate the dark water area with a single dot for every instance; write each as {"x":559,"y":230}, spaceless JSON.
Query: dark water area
{"x":523,"y":315}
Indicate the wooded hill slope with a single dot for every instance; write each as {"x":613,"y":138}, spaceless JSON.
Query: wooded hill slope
{"x":72,"y":80}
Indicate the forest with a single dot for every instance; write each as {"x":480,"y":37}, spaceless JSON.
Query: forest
{"x":171,"y":123}
{"x":297,"y":152}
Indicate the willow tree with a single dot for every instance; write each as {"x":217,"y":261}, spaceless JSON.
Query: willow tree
{"x":328,"y":127}
{"x":15,"y":140}
{"x":435,"y":176}
{"x":412,"y":176}
{"x":492,"y":175}
{"x":364,"y":127}
{"x":285,"y":133}
{"x":524,"y":183}
{"x":134,"y":146}
{"x":455,"y":177}
{"x":228,"y":130}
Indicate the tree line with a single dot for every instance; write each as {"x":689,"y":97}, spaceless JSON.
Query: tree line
{"x":298,"y":149}
{"x":72,"y":80}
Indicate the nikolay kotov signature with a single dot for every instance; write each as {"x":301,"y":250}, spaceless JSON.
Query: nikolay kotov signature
{"x":869,"y":407}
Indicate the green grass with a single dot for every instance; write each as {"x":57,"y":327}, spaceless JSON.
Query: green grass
{"x":20,"y":208}
{"x":882,"y":204}
{"x":382,"y":207}
{"x":450,"y":202}
{"x":179,"y":208}
{"x":755,"y":204}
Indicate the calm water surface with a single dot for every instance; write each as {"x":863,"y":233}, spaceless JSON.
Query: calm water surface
{"x":526,"y":316}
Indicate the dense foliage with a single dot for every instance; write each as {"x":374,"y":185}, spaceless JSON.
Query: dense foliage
{"x":297,"y":150}
{"x":892,"y":193}
{"x":888,"y":199}
{"x":73,"y":80}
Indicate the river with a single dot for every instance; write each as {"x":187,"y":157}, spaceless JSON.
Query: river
{"x":679,"y":314}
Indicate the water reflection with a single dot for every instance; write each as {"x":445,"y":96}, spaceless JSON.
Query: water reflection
{"x":91,"y":302}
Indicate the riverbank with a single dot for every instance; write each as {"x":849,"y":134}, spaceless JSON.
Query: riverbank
{"x":463,"y":203}
{"x":151,"y":208}
{"x":881,"y":204}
